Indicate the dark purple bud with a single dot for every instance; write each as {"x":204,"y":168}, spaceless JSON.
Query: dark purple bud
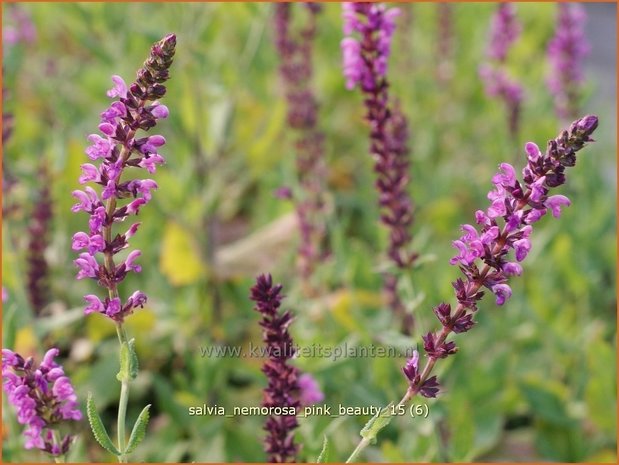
{"x":430,"y":387}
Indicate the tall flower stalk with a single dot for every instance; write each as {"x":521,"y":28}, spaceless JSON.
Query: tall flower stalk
{"x":295,"y":53}
{"x":444,"y":41}
{"x":504,"y":31}
{"x":121,"y":151}
{"x":283,"y":379}
{"x":38,"y":240}
{"x":566,"y":52}
{"x":505,"y":226}
{"x":44,"y":399}
{"x":365,"y":65}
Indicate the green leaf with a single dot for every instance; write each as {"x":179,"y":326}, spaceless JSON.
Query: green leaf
{"x":98,"y":430}
{"x":546,"y":402}
{"x":123,"y":374}
{"x":376,"y":423}
{"x":139,"y":430}
{"x":325,"y":453}
{"x":134,"y":365}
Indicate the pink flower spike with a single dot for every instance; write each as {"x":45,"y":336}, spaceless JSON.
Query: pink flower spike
{"x":555,"y":203}
{"x":119,"y":89}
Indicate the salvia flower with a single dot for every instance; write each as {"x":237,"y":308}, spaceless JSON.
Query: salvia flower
{"x":117,"y":149}
{"x":504,"y":31}
{"x":489,"y":253}
{"x":566,"y":52}
{"x":295,"y":53}
{"x":366,"y":60}
{"x":43,"y":398}
{"x":365,"y":64}
{"x":283,"y":378}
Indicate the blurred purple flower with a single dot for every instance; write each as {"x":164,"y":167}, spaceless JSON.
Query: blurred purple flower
{"x":119,"y":148}
{"x":296,"y":68}
{"x":504,"y":30}
{"x":366,"y":60}
{"x":309,"y":390}
{"x":19,"y":27}
{"x":365,"y":63}
{"x":566,"y":52}
{"x":445,"y":40}
{"x":43,"y":398}
{"x":38,"y":240}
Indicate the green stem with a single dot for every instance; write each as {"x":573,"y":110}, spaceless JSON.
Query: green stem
{"x":362,"y":445}
{"x":366,"y":441}
{"x":124,"y":399}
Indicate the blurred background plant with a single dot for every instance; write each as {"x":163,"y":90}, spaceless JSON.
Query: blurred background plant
{"x":534,"y":380}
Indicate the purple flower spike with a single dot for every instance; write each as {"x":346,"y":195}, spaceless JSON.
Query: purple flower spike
{"x":482,"y":254}
{"x":365,"y":58}
{"x":566,"y":53}
{"x":504,"y":31}
{"x":38,"y":241}
{"x":295,"y":47}
{"x":43,"y":398}
{"x":283,"y":387}
{"x":137,"y":108}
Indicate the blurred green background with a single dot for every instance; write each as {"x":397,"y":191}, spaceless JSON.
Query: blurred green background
{"x":534,"y":380}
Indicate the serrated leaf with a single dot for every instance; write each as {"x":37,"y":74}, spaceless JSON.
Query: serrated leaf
{"x":134,"y":365}
{"x":98,"y":430}
{"x":376,"y":423}
{"x":139,"y":430}
{"x":325,"y":453}
{"x":123,"y":373}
